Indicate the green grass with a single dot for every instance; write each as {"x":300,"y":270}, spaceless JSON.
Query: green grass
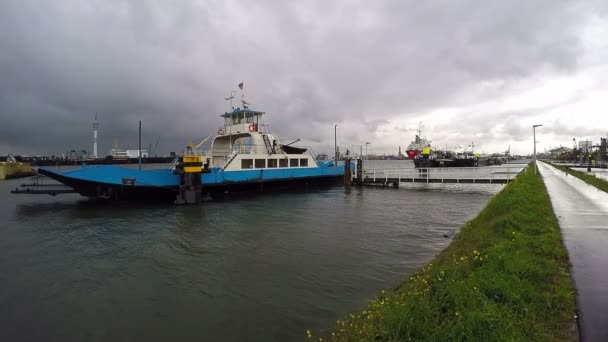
{"x":504,"y":277}
{"x":587,"y":178}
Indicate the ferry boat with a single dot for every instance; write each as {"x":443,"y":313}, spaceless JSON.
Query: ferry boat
{"x":11,"y":168}
{"x":243,"y":156}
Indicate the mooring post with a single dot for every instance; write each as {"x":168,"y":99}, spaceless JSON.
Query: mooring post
{"x":190,"y":168}
{"x":360,"y":171}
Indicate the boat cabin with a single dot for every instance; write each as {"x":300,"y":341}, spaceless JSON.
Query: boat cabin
{"x":244,"y":143}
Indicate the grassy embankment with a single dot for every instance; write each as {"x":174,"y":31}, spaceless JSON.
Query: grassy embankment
{"x":505,"y":276}
{"x":585,"y":177}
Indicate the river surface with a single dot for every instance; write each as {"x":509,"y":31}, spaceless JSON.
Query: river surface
{"x":258,"y":268}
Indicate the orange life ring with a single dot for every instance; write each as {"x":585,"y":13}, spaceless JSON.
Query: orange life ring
{"x":251,"y":128}
{"x":220,"y":132}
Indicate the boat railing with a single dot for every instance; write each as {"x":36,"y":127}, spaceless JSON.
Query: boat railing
{"x":229,"y":158}
{"x":443,"y":174}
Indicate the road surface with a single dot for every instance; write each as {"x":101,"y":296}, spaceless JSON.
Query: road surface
{"x":582,"y":211}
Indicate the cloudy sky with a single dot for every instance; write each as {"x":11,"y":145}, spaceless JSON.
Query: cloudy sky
{"x":481,"y":71}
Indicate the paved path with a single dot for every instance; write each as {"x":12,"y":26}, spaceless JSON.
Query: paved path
{"x":582,"y":211}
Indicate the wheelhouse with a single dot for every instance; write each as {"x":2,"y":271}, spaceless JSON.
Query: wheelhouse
{"x":244,"y":143}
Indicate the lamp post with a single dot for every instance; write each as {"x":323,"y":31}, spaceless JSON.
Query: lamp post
{"x":336,"y":144}
{"x":588,"y":155}
{"x":534,"y":133}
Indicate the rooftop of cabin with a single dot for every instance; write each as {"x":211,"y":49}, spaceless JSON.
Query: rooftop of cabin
{"x":237,"y":111}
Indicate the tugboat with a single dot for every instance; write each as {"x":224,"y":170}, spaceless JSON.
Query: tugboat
{"x":244,"y":156}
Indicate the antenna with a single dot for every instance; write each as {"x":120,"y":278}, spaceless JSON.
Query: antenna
{"x":242,"y":86}
{"x":95,"y":129}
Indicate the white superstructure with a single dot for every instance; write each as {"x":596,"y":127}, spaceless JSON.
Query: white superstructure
{"x":244,"y":144}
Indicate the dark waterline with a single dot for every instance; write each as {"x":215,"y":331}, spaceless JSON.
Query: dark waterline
{"x":265,"y":267}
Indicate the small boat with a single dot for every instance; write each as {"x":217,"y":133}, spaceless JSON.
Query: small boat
{"x":11,"y":168}
{"x":243,"y":156}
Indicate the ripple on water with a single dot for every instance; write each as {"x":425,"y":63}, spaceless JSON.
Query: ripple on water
{"x":266,"y":267}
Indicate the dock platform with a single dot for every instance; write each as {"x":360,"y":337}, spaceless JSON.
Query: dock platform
{"x":453,"y":175}
{"x":38,"y":186}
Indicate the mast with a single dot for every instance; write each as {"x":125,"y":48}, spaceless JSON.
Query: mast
{"x":139,"y":148}
{"x":230,"y":98}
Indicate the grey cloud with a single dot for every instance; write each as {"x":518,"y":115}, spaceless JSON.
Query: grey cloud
{"x":308,"y":64}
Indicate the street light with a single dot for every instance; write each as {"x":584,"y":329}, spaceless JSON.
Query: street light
{"x":366,"y":143}
{"x":534,"y":133}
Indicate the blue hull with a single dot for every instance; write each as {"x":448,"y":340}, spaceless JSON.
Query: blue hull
{"x":119,"y":183}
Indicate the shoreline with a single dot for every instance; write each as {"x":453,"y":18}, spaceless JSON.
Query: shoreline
{"x":505,"y":275}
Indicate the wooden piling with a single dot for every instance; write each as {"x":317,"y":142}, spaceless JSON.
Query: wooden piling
{"x":347,"y":173}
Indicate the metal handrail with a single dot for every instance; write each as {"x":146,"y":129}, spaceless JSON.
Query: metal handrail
{"x":458,"y":173}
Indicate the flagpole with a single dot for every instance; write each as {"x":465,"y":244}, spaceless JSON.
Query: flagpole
{"x":241,"y":86}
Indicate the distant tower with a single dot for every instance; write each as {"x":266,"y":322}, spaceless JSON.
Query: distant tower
{"x":95,"y":128}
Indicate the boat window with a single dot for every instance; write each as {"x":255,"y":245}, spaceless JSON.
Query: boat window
{"x":246,"y":163}
{"x":282,"y":162}
{"x":303,"y":162}
{"x":260,"y":163}
{"x":293,"y":162}
{"x":272,"y":163}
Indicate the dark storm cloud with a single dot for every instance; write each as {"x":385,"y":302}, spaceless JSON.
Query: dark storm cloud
{"x":309,"y":64}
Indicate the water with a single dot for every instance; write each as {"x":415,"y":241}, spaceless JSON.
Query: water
{"x":264,"y":267}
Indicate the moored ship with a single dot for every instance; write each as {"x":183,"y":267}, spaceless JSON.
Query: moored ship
{"x":418,"y":145}
{"x":421,"y":153}
{"x":243,"y":156}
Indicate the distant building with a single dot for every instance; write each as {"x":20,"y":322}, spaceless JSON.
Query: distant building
{"x":560,"y":152}
{"x":585,"y":145}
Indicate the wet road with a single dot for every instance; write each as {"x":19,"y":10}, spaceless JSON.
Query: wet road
{"x":582,"y":211}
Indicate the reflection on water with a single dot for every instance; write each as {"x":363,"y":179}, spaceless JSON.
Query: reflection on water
{"x":265,"y":267}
